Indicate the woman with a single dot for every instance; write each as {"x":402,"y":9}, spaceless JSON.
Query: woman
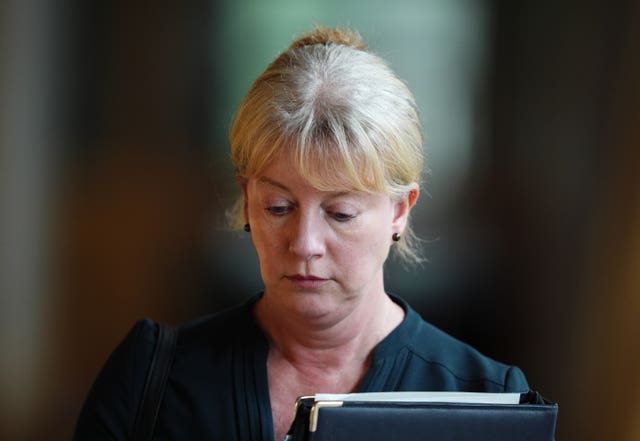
{"x":328,"y":150}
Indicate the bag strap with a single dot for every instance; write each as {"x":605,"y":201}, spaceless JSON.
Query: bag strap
{"x":155,"y":383}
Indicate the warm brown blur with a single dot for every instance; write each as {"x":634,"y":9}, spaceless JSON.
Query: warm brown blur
{"x":545,"y":236}
{"x":607,"y":342}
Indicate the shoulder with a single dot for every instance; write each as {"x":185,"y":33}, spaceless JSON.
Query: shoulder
{"x":438,"y":360}
{"x":110,"y":407}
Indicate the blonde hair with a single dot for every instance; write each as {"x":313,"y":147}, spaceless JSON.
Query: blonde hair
{"x":341,"y":113}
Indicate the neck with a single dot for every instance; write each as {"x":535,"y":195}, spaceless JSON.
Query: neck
{"x":346,"y":337}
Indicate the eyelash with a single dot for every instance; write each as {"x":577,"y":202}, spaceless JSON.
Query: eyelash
{"x":342,"y":217}
{"x":281,"y":210}
{"x":278,"y":210}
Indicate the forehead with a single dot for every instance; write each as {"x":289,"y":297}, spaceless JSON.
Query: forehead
{"x":280,"y":180}
{"x":329,"y":173}
{"x":285,"y":169}
{"x":300,"y":188}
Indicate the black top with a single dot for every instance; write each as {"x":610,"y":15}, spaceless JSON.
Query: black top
{"x":218,"y":389}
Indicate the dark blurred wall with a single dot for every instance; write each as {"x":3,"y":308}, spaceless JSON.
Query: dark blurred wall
{"x":565,"y":124}
{"x":545,"y":231}
{"x":137,"y":201}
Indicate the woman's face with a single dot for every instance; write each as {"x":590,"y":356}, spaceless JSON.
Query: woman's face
{"x":319,"y":251}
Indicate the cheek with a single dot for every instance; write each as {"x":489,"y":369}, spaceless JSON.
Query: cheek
{"x":269,"y":247}
{"x":363,"y":254}
{"x":266,"y":258}
{"x":263,"y":243}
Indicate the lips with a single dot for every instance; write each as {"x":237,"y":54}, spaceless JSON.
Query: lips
{"x":301,"y":277}
{"x":307,"y":281}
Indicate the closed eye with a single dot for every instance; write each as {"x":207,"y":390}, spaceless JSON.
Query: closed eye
{"x":342,"y":217}
{"x":278,"y":210}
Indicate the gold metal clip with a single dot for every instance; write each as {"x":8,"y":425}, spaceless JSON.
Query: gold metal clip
{"x":313,"y":416}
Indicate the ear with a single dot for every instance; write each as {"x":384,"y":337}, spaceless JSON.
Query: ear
{"x":403,"y":206}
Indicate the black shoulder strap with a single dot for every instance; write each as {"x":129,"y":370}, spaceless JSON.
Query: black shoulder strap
{"x":155,"y":384}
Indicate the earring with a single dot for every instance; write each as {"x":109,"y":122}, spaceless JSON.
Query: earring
{"x":395,"y":237}
{"x":247,"y":228}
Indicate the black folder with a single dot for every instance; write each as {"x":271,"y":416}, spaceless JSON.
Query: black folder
{"x":438,"y":416}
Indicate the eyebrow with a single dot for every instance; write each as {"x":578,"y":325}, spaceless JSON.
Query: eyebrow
{"x":269,"y":181}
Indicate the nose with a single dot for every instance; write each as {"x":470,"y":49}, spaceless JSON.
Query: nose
{"x":307,"y":236}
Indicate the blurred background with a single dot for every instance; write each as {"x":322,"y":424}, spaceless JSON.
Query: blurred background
{"x":115,"y":180}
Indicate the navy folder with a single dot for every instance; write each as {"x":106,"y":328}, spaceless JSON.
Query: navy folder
{"x":439,"y":416}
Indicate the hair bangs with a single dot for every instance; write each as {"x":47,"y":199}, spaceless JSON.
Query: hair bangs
{"x":332,"y":159}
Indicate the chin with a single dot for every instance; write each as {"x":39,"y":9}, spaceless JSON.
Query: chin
{"x":318,"y":307}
